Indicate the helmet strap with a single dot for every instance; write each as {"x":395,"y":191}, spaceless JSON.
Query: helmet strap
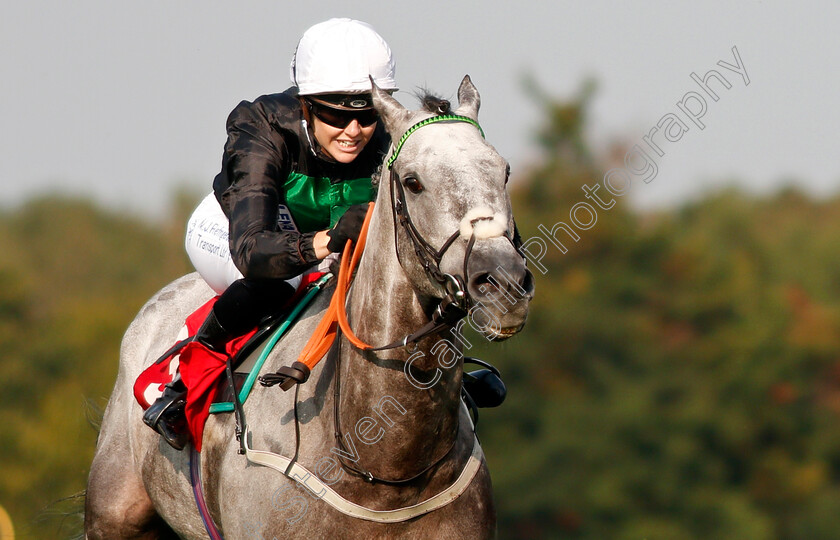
{"x":305,"y":121}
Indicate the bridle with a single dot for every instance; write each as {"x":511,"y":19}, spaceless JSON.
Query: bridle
{"x":429,"y":256}
{"x":456,"y":301}
{"x":453,"y":307}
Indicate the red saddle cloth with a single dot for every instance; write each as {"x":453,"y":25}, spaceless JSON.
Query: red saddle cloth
{"x":202,"y":371}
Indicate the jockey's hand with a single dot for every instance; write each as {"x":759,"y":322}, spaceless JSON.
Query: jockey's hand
{"x":347,"y":228}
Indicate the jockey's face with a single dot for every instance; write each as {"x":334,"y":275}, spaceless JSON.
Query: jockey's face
{"x":341,"y":131}
{"x":342,"y":144}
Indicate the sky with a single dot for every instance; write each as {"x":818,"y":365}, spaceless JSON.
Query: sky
{"x":126,"y":102}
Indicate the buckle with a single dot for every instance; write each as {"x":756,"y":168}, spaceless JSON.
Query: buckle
{"x":449,"y":311}
{"x":287,"y":376}
{"x":454,"y":286}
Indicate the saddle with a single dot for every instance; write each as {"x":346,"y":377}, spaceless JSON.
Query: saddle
{"x":201,"y":369}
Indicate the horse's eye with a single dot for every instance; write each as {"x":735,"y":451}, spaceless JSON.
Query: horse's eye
{"x":507,"y":173}
{"x":412,"y":184}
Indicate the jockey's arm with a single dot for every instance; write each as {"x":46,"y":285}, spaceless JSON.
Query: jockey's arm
{"x":254,"y":160}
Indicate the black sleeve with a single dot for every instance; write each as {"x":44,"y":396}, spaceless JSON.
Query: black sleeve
{"x":256,"y":161}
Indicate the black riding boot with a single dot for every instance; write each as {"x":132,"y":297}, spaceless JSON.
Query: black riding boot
{"x":166,"y":415}
{"x":212,"y":334}
{"x":484,"y":386}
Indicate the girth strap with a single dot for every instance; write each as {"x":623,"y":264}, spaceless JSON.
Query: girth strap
{"x":198,"y":492}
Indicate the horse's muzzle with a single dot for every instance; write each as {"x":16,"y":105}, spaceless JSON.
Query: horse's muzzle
{"x":501,"y":289}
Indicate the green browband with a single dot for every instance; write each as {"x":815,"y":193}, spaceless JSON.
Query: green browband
{"x":426,"y":122}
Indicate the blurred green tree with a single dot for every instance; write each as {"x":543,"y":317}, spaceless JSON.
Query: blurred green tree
{"x":678,"y":377}
{"x":72,"y":277}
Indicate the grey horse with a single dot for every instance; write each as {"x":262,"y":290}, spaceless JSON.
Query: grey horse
{"x":403,"y":435}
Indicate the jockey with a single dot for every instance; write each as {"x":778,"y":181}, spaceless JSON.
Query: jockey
{"x":293,"y":188}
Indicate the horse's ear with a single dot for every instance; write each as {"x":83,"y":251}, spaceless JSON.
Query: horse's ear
{"x":468,"y":99}
{"x":392,"y":113}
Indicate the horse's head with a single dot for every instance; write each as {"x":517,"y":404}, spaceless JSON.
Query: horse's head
{"x":454,"y":224}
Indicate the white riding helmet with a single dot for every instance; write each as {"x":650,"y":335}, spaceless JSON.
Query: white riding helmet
{"x":339,"y":56}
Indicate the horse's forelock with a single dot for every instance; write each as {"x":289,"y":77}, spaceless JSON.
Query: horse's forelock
{"x":433,"y":103}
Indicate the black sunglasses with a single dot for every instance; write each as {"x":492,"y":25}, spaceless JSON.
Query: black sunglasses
{"x":340,"y":118}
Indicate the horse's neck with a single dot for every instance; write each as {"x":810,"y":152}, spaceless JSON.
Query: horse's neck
{"x":419,"y":424}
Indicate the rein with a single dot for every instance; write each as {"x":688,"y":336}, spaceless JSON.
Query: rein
{"x":339,"y":440}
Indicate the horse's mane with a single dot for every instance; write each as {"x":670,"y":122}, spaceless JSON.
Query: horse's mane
{"x":433,"y":103}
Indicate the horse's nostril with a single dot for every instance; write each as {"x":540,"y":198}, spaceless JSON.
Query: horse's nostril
{"x":508,"y":283}
{"x":483,"y":284}
{"x":527,"y":282}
